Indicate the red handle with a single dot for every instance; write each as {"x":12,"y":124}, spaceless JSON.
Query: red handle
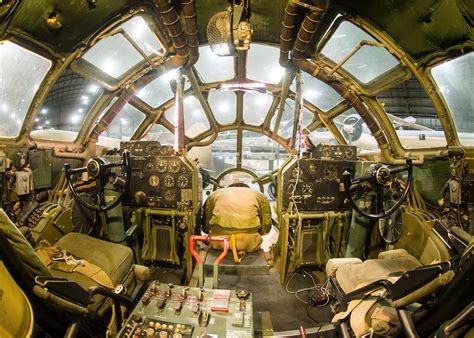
{"x":211,"y":239}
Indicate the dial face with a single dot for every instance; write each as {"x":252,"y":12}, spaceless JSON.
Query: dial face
{"x":149,"y":165}
{"x":170,"y":195}
{"x":326,"y":151}
{"x":152,"y":149}
{"x":164,"y":150}
{"x":154,"y":180}
{"x":183,"y":181}
{"x":330,"y":172}
{"x":169,"y":181}
{"x":349,"y":152}
{"x":174,"y":165}
{"x":161,"y":165}
{"x":313,"y":168}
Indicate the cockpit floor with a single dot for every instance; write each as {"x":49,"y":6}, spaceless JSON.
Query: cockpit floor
{"x":286,"y":311}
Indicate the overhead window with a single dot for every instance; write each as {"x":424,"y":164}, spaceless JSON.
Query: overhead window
{"x":115,"y":55}
{"x":455,"y":81}
{"x":263,"y":64}
{"x":318,"y":93}
{"x":125,"y":123}
{"x":365,"y":65}
{"x":21,"y":73}
{"x":256,"y":106}
{"x":223,"y":106}
{"x":212,"y":67}
{"x":159,"y":90}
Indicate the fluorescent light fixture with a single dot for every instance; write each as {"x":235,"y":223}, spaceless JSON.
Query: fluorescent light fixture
{"x":93,"y":89}
{"x":251,"y":85}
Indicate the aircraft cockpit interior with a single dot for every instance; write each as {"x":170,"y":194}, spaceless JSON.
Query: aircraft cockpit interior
{"x":236,"y":168}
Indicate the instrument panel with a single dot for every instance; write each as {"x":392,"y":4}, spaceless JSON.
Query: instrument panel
{"x":159,"y":177}
{"x":315,"y":183}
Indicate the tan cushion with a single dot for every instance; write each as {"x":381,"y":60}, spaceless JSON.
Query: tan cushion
{"x":116,"y":260}
{"x":334,"y":263}
{"x":396,"y":253}
{"x":350,"y":276}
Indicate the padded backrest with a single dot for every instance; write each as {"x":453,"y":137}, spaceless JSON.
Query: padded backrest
{"x":22,"y":247}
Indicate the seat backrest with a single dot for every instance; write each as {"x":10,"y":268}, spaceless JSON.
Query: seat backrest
{"x":22,"y":247}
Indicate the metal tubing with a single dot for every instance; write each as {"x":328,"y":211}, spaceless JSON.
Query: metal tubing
{"x":287,"y":32}
{"x":190,"y":17}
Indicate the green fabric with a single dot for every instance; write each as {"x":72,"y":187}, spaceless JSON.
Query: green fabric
{"x":115,"y":260}
{"x":22,"y":247}
{"x":236,"y":210}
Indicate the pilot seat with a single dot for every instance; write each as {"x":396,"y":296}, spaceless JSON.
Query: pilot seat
{"x":87,"y":261}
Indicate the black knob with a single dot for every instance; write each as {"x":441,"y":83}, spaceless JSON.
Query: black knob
{"x":137,"y":318}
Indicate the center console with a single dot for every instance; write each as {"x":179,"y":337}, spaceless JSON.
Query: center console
{"x":173,"y":311}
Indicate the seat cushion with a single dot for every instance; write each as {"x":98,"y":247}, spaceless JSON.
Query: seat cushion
{"x":352,"y":276}
{"x":115,"y":260}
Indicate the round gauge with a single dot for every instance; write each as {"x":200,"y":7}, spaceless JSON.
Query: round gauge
{"x":169,"y":181}
{"x":183,"y":181}
{"x":152,"y":148}
{"x":174,"y":165}
{"x":349,"y":153}
{"x":170,"y":195}
{"x":154,"y":180}
{"x":161,"y":165}
{"x":330,"y":172}
{"x":164,"y":150}
{"x":326,"y":151}
{"x":149,"y":165}
{"x":313,"y":168}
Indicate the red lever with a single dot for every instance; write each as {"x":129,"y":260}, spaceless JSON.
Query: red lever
{"x":211,"y":239}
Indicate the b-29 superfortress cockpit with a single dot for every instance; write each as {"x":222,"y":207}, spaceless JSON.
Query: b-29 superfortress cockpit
{"x":236,"y":168}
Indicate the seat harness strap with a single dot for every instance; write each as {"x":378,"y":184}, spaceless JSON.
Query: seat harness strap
{"x":57,"y":259}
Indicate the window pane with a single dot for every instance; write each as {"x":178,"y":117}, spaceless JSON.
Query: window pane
{"x":161,"y":134}
{"x":286,"y":124}
{"x":260,"y":153}
{"x":368,"y":62}
{"x":256,"y":107}
{"x":322,"y":135}
{"x":355,"y":131}
{"x":318,"y":93}
{"x":413,"y":116}
{"x":212,"y":67}
{"x":125,"y":123}
{"x":455,"y":80}
{"x":21,"y":73}
{"x":114,"y":55}
{"x":67,"y":105}
{"x":159,"y":90}
{"x":223,"y":106}
{"x":263,"y":64}
{"x":195,"y":120}
{"x":223,"y":153}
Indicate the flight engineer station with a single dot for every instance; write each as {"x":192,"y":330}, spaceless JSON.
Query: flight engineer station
{"x":236,"y":168}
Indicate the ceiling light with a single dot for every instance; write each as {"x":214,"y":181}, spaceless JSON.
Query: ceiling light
{"x":44,"y":111}
{"x":171,"y":75}
{"x":123,"y":121}
{"x":93,"y":89}
{"x":47,"y":122}
{"x":37,"y":119}
{"x":75,"y":118}
{"x":4,"y":107}
{"x":13,"y":115}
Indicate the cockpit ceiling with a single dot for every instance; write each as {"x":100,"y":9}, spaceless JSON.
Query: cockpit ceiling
{"x":422,"y":28}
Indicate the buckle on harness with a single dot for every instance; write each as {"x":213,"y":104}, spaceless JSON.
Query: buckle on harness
{"x":68,"y":259}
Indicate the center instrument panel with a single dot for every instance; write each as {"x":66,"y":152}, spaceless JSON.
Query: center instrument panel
{"x":315,"y":182}
{"x":159,"y":177}
{"x":166,"y":310}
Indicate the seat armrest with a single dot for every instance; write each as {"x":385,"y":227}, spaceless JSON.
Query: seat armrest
{"x":334,"y":263}
{"x":65,"y":289}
